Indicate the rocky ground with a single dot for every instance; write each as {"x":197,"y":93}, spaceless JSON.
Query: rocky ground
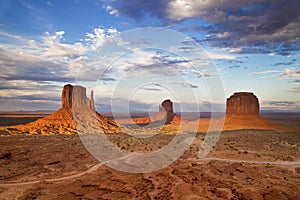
{"x":59,"y":167}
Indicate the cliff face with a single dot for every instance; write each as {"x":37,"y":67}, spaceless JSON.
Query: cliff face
{"x":165,"y":112}
{"x":242,"y":103}
{"x":75,"y":97}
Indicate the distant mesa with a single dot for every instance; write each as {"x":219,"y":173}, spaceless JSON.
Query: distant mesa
{"x":242,"y":112}
{"x":242,"y":103}
{"x":76,"y":115}
{"x":165,"y":112}
{"x":164,"y":116}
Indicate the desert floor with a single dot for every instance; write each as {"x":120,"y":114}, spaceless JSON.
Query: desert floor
{"x":245,"y":164}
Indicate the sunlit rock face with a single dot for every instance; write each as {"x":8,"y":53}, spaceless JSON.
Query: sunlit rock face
{"x":77,"y":115}
{"x":75,"y":97}
{"x":242,"y":103}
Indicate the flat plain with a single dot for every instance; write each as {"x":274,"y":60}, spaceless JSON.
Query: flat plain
{"x":244,"y":164}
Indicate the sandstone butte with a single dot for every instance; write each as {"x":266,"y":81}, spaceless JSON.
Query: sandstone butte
{"x":165,"y":115}
{"x":77,"y":115}
{"x":242,"y":112}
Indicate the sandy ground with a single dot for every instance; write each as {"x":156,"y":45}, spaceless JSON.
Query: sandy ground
{"x":245,"y":164}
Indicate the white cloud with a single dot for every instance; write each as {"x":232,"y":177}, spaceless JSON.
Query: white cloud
{"x":184,"y":84}
{"x":9,"y":35}
{"x":144,"y":62}
{"x":218,"y":55}
{"x":100,"y":36}
{"x":182,"y":9}
{"x":53,"y":47}
{"x":203,"y":73}
{"x":223,"y":35}
{"x":265,"y":72}
{"x":291,"y":73}
{"x":235,"y":50}
{"x":111,"y":10}
{"x":280,"y":105}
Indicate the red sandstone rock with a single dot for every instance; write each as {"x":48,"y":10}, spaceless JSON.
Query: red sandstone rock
{"x":77,"y":115}
{"x":242,"y":112}
{"x":75,"y":97}
{"x":242,"y":103}
{"x":165,"y":113}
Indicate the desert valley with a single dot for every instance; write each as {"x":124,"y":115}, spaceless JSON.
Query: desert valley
{"x":256,"y":156}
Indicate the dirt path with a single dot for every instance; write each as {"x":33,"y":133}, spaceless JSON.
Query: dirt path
{"x":95,"y":167}
{"x":90,"y":170}
{"x":286,"y":163}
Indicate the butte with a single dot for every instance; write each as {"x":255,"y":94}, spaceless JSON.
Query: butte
{"x":164,"y":116}
{"x":77,"y":114}
{"x":242,"y":112}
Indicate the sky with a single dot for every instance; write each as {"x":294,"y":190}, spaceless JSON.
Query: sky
{"x":134,"y":54}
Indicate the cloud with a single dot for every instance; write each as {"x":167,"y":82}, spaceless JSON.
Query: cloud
{"x":151,"y":89}
{"x":218,"y":56}
{"x":265,"y":72}
{"x":107,"y":79}
{"x":100,"y":36}
{"x":184,"y":84}
{"x":29,"y":97}
{"x":35,"y":98}
{"x":296,"y":81}
{"x":53,"y":48}
{"x":283,"y":63}
{"x":137,"y":9}
{"x":143,"y":62}
{"x":111,"y":10}
{"x":290,"y":73}
{"x":296,"y":89}
{"x":281,"y":105}
{"x":203,"y":73}
{"x":30,"y":67}
{"x":9,"y":35}
{"x":38,"y":65}
{"x":27,"y":85}
{"x":51,"y":59}
{"x":255,"y":26}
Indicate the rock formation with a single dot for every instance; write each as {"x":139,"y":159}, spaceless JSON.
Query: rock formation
{"x":242,"y":103}
{"x":242,"y":112}
{"x":166,"y":114}
{"x":77,"y":115}
{"x":75,"y":97}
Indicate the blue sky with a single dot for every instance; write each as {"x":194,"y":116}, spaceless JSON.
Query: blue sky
{"x":253,"y":46}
